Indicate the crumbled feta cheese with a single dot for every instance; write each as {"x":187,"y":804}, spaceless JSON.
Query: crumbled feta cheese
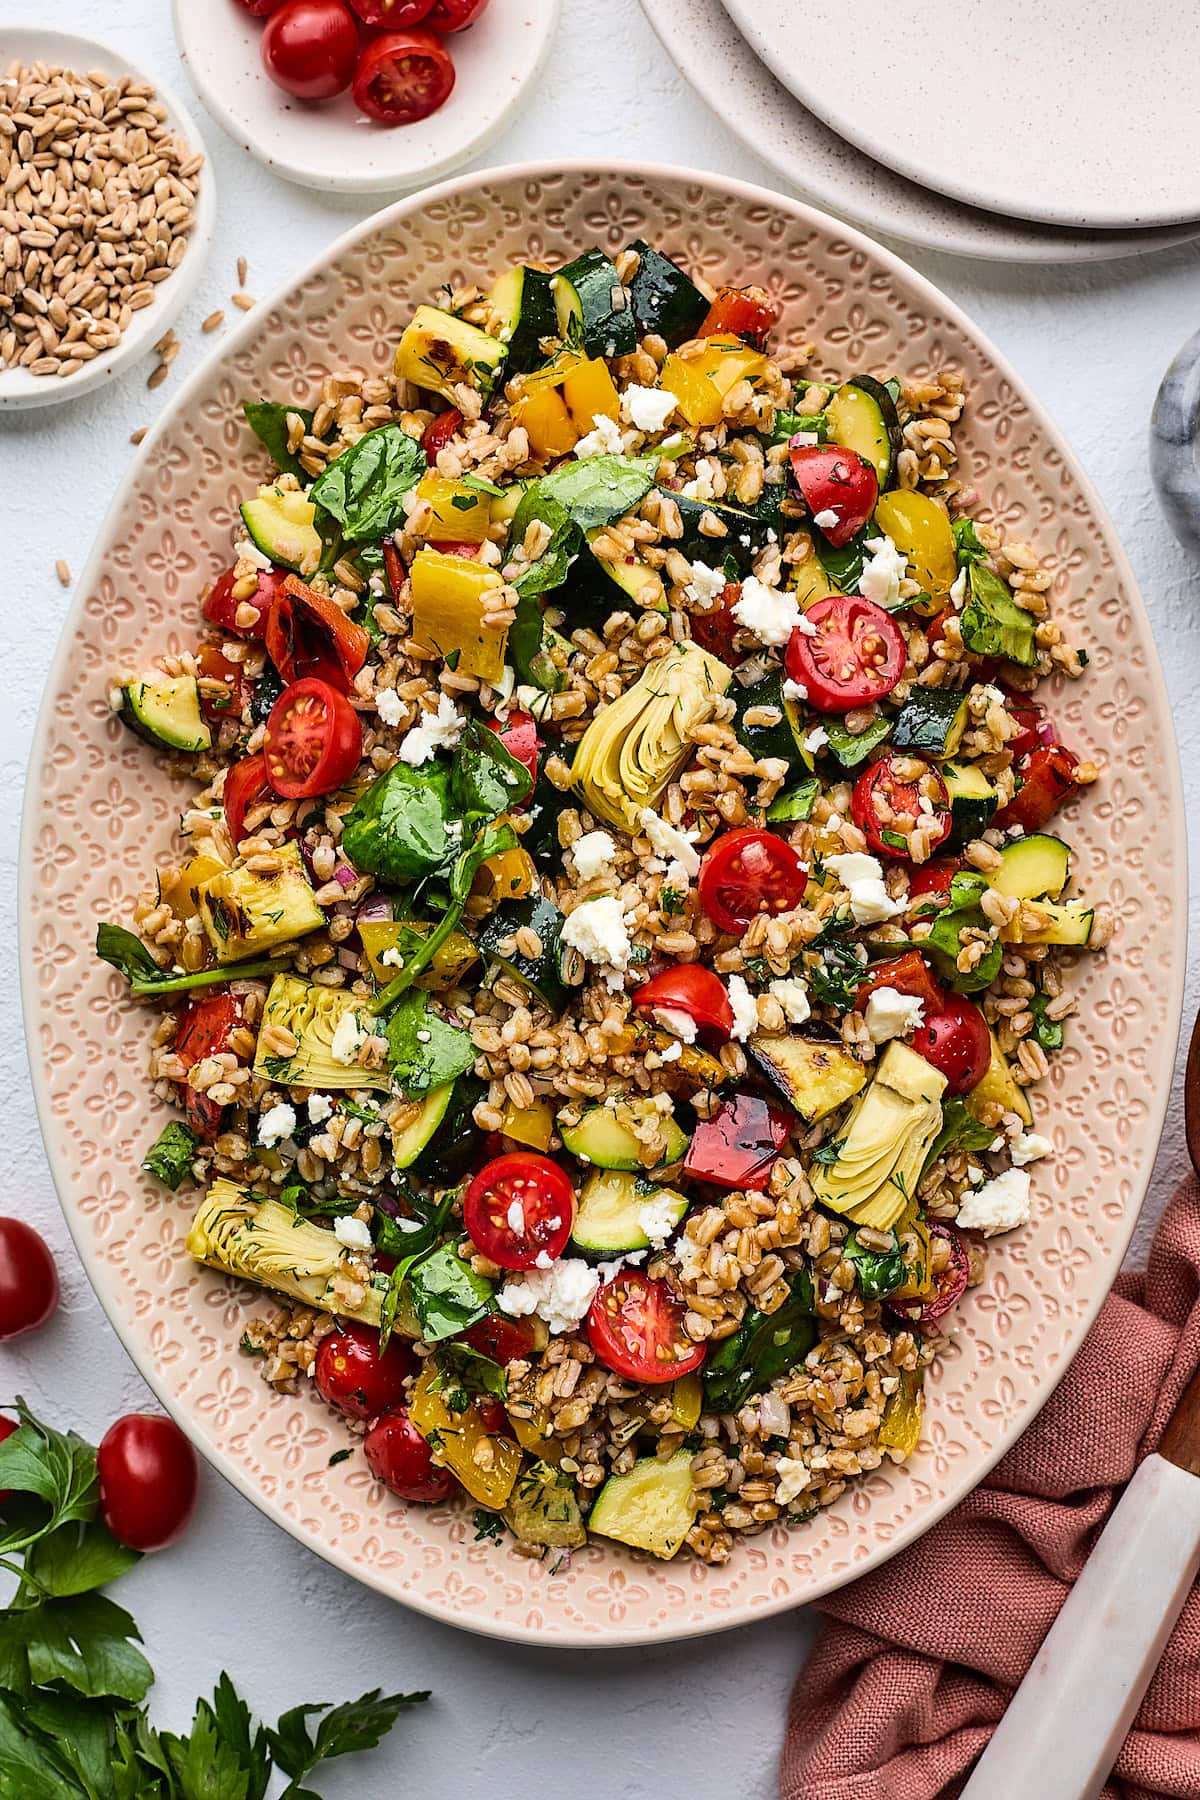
{"x":862,"y":878}
{"x":705,"y":585}
{"x":680,"y":1023}
{"x":792,"y":994}
{"x":771,"y":614}
{"x":795,"y":691}
{"x":320,"y":1108}
{"x":791,"y":1479}
{"x":277,"y":1124}
{"x":745,"y":1008}
{"x":882,"y":573}
{"x":605,"y":440}
{"x":348,"y":1040}
{"x":559,"y":1294}
{"x":891,"y":1014}
{"x":516,"y":1218}
{"x":958,"y":590}
{"x":648,"y":409}
{"x":668,"y":841}
{"x":354,"y":1233}
{"x":703,"y":485}
{"x":597,"y":929}
{"x":657,"y":1218}
{"x":678,"y":875}
{"x":690,"y":1257}
{"x":827,"y":519}
{"x":389,"y":706}
{"x":816,"y":740}
{"x":246,"y":550}
{"x":440,"y":730}
{"x":672,"y":1053}
{"x":608,"y":1271}
{"x":592,"y":854}
{"x":1027,"y":1147}
{"x":999,"y":1205}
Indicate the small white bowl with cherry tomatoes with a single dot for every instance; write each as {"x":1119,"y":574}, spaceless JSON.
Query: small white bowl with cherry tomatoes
{"x":363,"y":96}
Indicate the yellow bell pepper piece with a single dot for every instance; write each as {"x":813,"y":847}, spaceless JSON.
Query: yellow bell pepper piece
{"x":542,"y":414}
{"x":179,"y":887}
{"x":534,"y":1436}
{"x":920,"y":1280}
{"x":687,"y":1400}
{"x":590,"y":393}
{"x":701,"y":374}
{"x":458,"y":514}
{"x":487,"y":1466}
{"x":901,"y":1427}
{"x":512,"y":875}
{"x":531,"y":1125}
{"x":450,"y":963}
{"x":448,"y":615}
{"x":920,"y":529}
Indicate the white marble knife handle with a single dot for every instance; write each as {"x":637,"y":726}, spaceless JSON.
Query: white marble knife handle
{"x":1068,"y":1719}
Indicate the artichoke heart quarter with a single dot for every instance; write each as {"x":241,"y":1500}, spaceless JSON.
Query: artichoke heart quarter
{"x":259,"y":1240}
{"x":317,"y":1018}
{"x":635,"y":747}
{"x":889,"y":1130}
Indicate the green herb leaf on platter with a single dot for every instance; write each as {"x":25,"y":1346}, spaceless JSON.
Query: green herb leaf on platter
{"x":172,"y":1154}
{"x":550,"y":569}
{"x":943,"y":945}
{"x":991,"y":622}
{"x":488,"y":841}
{"x":764,"y":1347}
{"x":879,"y":1272}
{"x":967,"y":543}
{"x":130,"y":957}
{"x":399,"y":829}
{"x":961,"y":1130}
{"x":595,"y":490}
{"x":447,"y":1295}
{"x":486,"y":779}
{"x":364,"y":488}
{"x":269,"y":423}
{"x":1046,"y":1031}
{"x":424,"y":1051}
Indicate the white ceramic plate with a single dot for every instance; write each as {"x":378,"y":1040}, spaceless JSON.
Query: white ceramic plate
{"x":1066,"y":112}
{"x":715,"y":58}
{"x":66,"y":51}
{"x":330,"y":146}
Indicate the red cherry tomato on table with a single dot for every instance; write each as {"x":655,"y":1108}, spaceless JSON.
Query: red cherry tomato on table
{"x":748,"y":872}
{"x":747,"y":312}
{"x":28,"y":1279}
{"x":519,"y":735}
{"x":221,"y":608}
{"x":635,"y":1326}
{"x":455,"y":15}
{"x":907,"y":974}
{"x":690,"y":989}
{"x":402,"y":77}
{"x":205,"y":1027}
{"x":519,"y":1207}
{"x":504,"y":1340}
{"x":737,"y":1147}
{"x":310,"y":48}
{"x":148,"y":1480}
{"x":439,"y":431}
{"x":398,"y":1456}
{"x":848,"y":653}
{"x":714,"y":628}
{"x":308,"y":635}
{"x":932,"y":880}
{"x":313,"y":741}
{"x":955,"y":1040}
{"x":245,"y":784}
{"x":885,"y":804}
{"x":949,"y":1283}
{"x":834,"y":480}
{"x":352,"y":1375}
{"x":1047,"y":777}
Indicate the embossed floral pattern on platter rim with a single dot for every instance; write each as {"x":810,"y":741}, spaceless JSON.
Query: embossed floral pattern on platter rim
{"x":98,"y":808}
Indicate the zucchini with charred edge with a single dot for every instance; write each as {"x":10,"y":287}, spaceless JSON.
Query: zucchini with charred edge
{"x":815,"y":1078}
{"x":524,"y":300}
{"x":605,"y":1136}
{"x":665,"y":300}
{"x":931,"y":722}
{"x":973,"y":800}
{"x":165,"y":710}
{"x":593,"y":308}
{"x":245,"y":911}
{"x":541,"y":974}
{"x":783,"y":737}
{"x":440,"y":352}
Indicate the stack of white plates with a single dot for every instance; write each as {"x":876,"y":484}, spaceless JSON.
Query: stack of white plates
{"x":1006,"y":129}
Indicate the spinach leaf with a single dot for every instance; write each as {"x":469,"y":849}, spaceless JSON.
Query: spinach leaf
{"x":268,"y":422}
{"x":400,"y":828}
{"x":364,"y":488}
{"x":460,"y":1366}
{"x":967,"y":544}
{"x":843,"y":565}
{"x":992,"y":624}
{"x":879,"y":1272}
{"x":764,"y":1347}
{"x":836,"y":976}
{"x":787,"y":424}
{"x":489,"y":840}
{"x":172,"y":1154}
{"x":961,"y":1130}
{"x":447,"y":1295}
{"x":851,"y":750}
{"x":595,"y":490}
{"x":130,"y":957}
{"x":1047,"y":1032}
{"x":550,"y":569}
{"x":408,"y":1246}
{"x":963,"y":912}
{"x":486,"y":778}
{"x":424,"y":1051}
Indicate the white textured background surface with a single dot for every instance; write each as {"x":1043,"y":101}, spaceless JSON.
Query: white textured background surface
{"x":700,"y":1719}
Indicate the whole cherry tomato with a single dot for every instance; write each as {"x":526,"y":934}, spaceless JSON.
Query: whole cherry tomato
{"x":738,"y":1145}
{"x":245,"y":785}
{"x":221,"y":609}
{"x":955,"y":1040}
{"x":839,"y":487}
{"x":148,"y":1480}
{"x":399,"y":1456}
{"x":747,"y":312}
{"x":635,"y":1326}
{"x":28,"y":1279}
{"x":1047,"y":778}
{"x":353,"y":1375}
{"x":504,"y":1340}
{"x":949,"y":1282}
{"x":748,"y":872}
{"x":403,"y":76}
{"x":455,"y":15}
{"x":887,"y":804}
{"x":692,"y":990}
{"x":907,"y":974}
{"x":847,"y":652}
{"x":310,"y":48}
{"x":313,"y":741}
{"x":520,"y":1206}
{"x":440,"y":430}
{"x":519,"y":735}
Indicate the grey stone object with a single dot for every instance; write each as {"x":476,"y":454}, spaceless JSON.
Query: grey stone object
{"x":1174,"y":451}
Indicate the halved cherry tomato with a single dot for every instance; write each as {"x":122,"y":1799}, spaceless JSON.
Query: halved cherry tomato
{"x":635,"y":1326}
{"x":932,"y":880}
{"x":1037,"y":727}
{"x":886,"y":806}
{"x":213,"y":666}
{"x":459,"y":547}
{"x":690,"y":989}
{"x":949,"y":1282}
{"x":308,"y":635}
{"x":310,"y":47}
{"x":205,"y":1027}
{"x":1047,"y":777}
{"x":519,"y":735}
{"x":455,"y":15}
{"x":847,"y":653}
{"x":149,"y":1478}
{"x":714,"y":628}
{"x":313,"y":741}
{"x":28,"y":1280}
{"x":221,"y":609}
{"x":935,"y":631}
{"x":354,"y":1376}
{"x":832,"y":479}
{"x":748,"y":872}
{"x":956,"y":1041}
{"x":519,"y":1207}
{"x":747,"y":312}
{"x":439,"y":431}
{"x":907,"y":974}
{"x":403,"y":76}
{"x":245,"y":784}
{"x":737,"y":1147}
{"x":396,"y":15}
{"x":398,"y":1456}
{"x":504,"y":1340}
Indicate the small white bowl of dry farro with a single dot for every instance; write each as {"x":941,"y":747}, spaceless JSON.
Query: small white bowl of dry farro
{"x":105,"y":218}
{"x":606,"y":844}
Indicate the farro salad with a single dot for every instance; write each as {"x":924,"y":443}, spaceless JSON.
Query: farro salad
{"x":621,"y":915}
